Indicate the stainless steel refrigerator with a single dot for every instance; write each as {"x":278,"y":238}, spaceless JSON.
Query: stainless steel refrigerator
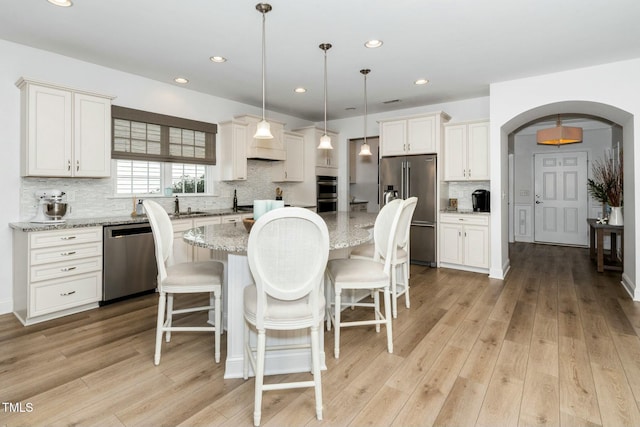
{"x":415,"y":176}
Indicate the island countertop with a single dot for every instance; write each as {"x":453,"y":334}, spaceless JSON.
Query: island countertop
{"x":346,"y":229}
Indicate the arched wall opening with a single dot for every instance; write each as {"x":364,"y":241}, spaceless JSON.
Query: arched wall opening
{"x":609,"y":112}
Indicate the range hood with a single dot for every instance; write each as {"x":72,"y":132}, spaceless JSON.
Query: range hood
{"x":264,"y":149}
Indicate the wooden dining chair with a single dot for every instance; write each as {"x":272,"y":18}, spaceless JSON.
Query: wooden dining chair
{"x":181,"y":278}
{"x":287,"y":251}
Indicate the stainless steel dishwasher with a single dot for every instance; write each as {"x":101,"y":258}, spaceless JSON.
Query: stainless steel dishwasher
{"x":129,"y":261}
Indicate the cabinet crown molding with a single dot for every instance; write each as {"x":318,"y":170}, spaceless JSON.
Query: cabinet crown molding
{"x":22,"y":81}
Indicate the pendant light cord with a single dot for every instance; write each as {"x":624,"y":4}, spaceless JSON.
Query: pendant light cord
{"x":263,"y":61}
{"x":325,"y":91}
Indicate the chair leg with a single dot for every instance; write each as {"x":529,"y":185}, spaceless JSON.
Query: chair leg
{"x":169,"y":316}
{"x":218,"y":325}
{"x":327,"y":298}
{"x":245,"y":362}
{"x":405,"y":269}
{"x":257,"y":410}
{"x":376,"y":307}
{"x":317,"y":379}
{"x":394,"y":290}
{"x":159,"y":326}
{"x":387,"y":315}
{"x":336,"y":332}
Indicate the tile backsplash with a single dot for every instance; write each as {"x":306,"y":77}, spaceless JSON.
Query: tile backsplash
{"x":95,"y":197}
{"x":462,"y":191}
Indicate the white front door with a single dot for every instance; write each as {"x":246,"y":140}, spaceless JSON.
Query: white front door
{"x":561,"y":198}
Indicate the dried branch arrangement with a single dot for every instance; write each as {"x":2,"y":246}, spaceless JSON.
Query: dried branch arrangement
{"x":606,"y":184}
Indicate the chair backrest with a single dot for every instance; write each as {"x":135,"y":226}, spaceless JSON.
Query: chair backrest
{"x":162,"y":236}
{"x":398,"y":230}
{"x":382,"y":227}
{"x":288,"y":249}
{"x":405,"y":221}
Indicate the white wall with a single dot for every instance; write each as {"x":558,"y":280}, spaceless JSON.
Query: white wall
{"x":609,"y":91}
{"x":130,"y":91}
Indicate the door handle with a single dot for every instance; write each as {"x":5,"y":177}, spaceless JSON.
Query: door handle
{"x":538,"y":202}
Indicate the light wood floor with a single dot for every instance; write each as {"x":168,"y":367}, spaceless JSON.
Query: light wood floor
{"x":553,"y":344}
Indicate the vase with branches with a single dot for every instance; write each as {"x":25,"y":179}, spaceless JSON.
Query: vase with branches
{"x":606,"y":184}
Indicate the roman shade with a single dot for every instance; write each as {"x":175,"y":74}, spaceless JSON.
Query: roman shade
{"x":141,"y":135}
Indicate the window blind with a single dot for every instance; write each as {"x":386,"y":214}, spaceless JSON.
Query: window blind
{"x":141,"y":135}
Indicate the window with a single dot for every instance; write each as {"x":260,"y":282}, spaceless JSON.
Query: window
{"x":134,"y":177}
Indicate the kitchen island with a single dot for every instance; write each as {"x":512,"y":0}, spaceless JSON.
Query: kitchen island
{"x":228,"y":243}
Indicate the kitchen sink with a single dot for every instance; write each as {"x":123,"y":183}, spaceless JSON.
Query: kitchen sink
{"x":186,"y":214}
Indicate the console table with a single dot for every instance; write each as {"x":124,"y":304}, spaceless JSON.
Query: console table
{"x":596,"y":245}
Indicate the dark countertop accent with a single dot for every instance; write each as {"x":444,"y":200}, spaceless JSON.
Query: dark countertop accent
{"x":359,"y":202}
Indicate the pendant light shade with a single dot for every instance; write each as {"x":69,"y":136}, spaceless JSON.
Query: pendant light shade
{"x":325,"y":140}
{"x":559,"y":135}
{"x":263,"y":130}
{"x":365,"y":150}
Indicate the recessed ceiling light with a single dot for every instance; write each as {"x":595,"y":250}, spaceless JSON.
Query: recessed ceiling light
{"x":62,"y":3}
{"x":421,"y":82}
{"x":299,"y":90}
{"x":373,"y":43}
{"x":218,"y":59}
{"x":181,"y":80}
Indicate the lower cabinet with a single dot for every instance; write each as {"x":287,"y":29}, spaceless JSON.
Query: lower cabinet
{"x":56,"y":272}
{"x":464,"y":241}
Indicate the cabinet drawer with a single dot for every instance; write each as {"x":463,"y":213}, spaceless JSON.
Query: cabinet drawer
{"x":231,"y":219}
{"x":41,"y":239}
{"x":465,"y":219}
{"x":65,"y":253}
{"x":65,"y":269}
{"x":62,"y":294}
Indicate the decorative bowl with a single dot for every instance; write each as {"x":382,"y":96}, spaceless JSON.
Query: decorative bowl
{"x":248,"y":223}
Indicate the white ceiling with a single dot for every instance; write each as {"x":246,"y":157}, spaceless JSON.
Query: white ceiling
{"x":461,"y":46}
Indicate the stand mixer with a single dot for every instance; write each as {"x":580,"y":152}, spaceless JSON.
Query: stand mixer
{"x":50,"y":208}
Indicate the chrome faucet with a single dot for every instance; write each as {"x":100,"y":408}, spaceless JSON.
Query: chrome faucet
{"x":176,"y":206}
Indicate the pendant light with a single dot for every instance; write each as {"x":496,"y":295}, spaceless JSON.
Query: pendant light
{"x":325,"y":140}
{"x":365,"y":150}
{"x":263,"y":130}
{"x":559,"y":135}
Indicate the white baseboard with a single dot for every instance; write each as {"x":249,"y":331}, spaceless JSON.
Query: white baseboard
{"x":630,"y":287}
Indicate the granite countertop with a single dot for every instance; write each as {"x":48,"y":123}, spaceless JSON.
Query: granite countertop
{"x":464,"y":212}
{"x":110,"y":220}
{"x":346,"y":229}
{"x":119,"y":220}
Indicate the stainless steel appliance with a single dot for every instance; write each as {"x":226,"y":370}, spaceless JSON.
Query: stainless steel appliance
{"x":415,"y":176}
{"x":327,"y":193}
{"x":481,"y":200}
{"x":51,"y":208}
{"x":129,"y":261}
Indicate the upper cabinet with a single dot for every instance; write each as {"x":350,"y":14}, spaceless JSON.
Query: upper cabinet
{"x":466,"y":151}
{"x":326,"y":161}
{"x":65,"y":132}
{"x":292,"y":169}
{"x":412,"y":135}
{"x":269,"y":149}
{"x":233,"y":150}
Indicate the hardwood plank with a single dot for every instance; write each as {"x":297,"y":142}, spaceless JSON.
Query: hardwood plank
{"x":463,"y":404}
{"x":617,"y":404}
{"x":540,"y":400}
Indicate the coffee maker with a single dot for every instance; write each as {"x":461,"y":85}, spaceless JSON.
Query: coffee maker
{"x":481,"y":200}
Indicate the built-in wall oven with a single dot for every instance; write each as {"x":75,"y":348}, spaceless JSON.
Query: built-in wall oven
{"x":327,"y":193}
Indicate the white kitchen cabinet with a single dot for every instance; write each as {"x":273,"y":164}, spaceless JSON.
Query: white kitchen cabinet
{"x":203,"y":254}
{"x":466,"y":152}
{"x":292,"y":168}
{"x":411,"y":135}
{"x":326,"y":161}
{"x":464,"y":241}
{"x":233,"y":150}
{"x":56,"y":272}
{"x":65,"y":132}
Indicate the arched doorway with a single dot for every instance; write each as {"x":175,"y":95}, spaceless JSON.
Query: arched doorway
{"x":605,"y":111}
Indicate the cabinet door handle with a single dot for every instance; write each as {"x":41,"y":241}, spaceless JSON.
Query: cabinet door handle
{"x":77,"y":165}
{"x":408,"y":147}
{"x":65,"y":294}
{"x":68,"y":253}
{"x":469,"y":173}
{"x":67,"y":237}
{"x":68,"y":165}
{"x":68,"y":268}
